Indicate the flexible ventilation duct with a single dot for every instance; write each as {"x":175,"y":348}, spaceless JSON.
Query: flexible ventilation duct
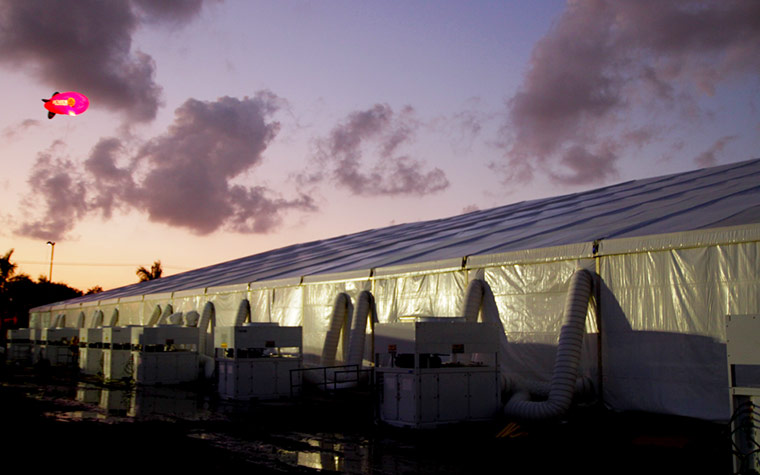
{"x":191,"y":318}
{"x":563,"y":383}
{"x":243,"y":313}
{"x":342,"y":309}
{"x":60,"y":321}
{"x":168,"y":312}
{"x":80,"y":320}
{"x":114,"y":318}
{"x":173,"y":319}
{"x":203,"y":322}
{"x":153,"y":320}
{"x":479,"y":301}
{"x":365,"y":309}
{"x":97,"y":319}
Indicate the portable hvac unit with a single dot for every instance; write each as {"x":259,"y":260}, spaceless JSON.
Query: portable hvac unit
{"x":436,"y":371}
{"x":255,"y":360}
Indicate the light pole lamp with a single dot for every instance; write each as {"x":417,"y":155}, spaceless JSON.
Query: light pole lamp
{"x":52,"y":250}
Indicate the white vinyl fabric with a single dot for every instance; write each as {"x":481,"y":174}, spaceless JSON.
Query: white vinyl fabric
{"x":712,"y":197}
{"x":672,"y":256}
{"x":663,"y":321}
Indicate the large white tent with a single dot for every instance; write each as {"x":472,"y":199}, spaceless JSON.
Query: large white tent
{"x":672,"y":256}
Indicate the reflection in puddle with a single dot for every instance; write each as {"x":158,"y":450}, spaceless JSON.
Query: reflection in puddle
{"x":321,"y":458}
{"x":331,"y":452}
{"x":335,"y":456}
{"x":323,"y":455}
{"x":140,"y":402}
{"x":76,"y":416}
{"x":285,"y":436}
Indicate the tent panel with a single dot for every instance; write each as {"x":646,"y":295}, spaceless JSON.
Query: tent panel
{"x":287,"y":306}
{"x":531,"y":301}
{"x":429,"y":294}
{"x":189,"y":302}
{"x":317,"y":308}
{"x":664,"y":326}
{"x":226,"y":304}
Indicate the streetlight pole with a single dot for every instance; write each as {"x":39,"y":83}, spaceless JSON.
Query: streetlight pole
{"x":52,"y":250}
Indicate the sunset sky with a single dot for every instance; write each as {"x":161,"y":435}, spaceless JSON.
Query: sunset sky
{"x":221,"y":129}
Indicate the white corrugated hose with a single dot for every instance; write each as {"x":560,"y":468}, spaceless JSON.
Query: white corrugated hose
{"x":563,"y":383}
{"x":97,"y":319}
{"x":243,"y":314}
{"x":80,"y":320}
{"x":205,"y":350}
{"x":365,"y":309}
{"x":114,"y":318}
{"x":342,"y":309}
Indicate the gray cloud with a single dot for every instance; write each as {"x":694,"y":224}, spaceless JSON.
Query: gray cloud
{"x":340,"y":155}
{"x":578,"y":162}
{"x":11,"y":132}
{"x":86,"y":45}
{"x":464,"y":127}
{"x":603,"y":61}
{"x":709,"y":157}
{"x":63,"y":192}
{"x":113,"y":187}
{"x":183,"y":178}
{"x":168,"y":11}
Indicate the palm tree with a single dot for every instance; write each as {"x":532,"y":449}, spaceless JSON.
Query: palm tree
{"x":154,"y":273}
{"x":7,"y":268}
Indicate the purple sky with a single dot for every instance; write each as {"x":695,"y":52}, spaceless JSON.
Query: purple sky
{"x":219,"y":129}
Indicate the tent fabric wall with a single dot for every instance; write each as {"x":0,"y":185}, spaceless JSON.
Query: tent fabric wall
{"x":663,"y":323}
{"x":188,"y":300}
{"x":666,"y":276}
{"x":226,"y":301}
{"x":130,"y":311}
{"x":428,"y":294}
{"x":318,"y":300}
{"x":39,"y":318}
{"x":657,"y":342}
{"x":531,"y":300}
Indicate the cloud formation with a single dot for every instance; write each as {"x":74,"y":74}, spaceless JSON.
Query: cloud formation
{"x":12,"y":131}
{"x":86,"y":45}
{"x":709,"y":157}
{"x":63,"y":192}
{"x":339,"y":156}
{"x":603,"y":63}
{"x":184,"y":178}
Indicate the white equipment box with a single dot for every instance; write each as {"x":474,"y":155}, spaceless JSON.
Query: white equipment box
{"x":255,"y":360}
{"x":117,"y":354}
{"x":743,"y":355}
{"x":91,"y":351}
{"x":19,"y":345}
{"x":166,"y":354}
{"x":437,"y":371}
{"x":60,"y":346}
{"x":34,"y":338}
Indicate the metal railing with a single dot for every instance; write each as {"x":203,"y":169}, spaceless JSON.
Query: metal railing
{"x":341,"y":376}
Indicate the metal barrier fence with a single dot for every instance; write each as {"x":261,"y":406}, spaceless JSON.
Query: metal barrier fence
{"x":342,"y":376}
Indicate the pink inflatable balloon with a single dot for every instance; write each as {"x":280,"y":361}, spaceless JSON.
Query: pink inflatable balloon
{"x":66,"y":103}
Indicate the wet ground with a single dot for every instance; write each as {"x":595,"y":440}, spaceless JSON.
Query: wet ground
{"x":55,"y":419}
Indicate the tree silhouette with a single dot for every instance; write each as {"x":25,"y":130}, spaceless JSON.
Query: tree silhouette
{"x":7,"y":268}
{"x":19,"y":293}
{"x":154,"y":273}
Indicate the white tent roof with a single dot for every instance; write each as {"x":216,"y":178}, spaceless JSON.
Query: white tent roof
{"x":712,"y":197}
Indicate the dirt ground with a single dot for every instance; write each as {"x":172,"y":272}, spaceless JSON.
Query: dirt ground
{"x":55,"y":418}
